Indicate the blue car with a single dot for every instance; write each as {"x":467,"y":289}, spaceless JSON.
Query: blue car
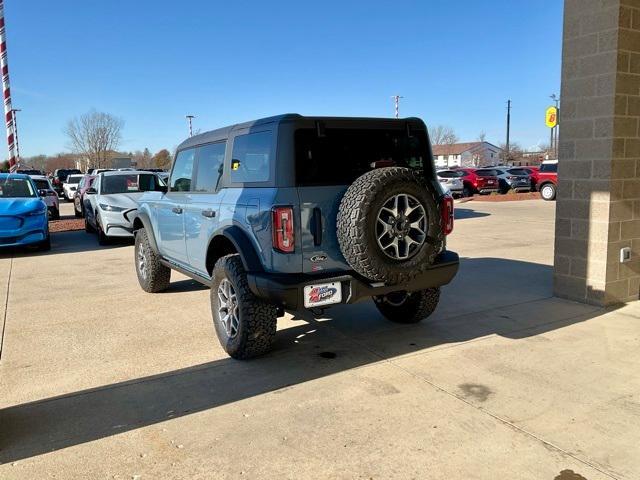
{"x":24,"y":219}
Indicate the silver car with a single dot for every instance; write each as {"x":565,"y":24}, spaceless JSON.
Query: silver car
{"x":111,"y":204}
{"x":451,"y":182}
{"x":48,"y":194}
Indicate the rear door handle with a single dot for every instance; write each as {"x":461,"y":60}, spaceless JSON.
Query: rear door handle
{"x":208,"y":213}
{"x":177,"y":210}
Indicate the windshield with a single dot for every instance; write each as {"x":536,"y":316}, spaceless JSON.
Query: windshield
{"x":41,"y":184}
{"x":74,"y":179}
{"x":487,"y":173}
{"x":341,"y":155}
{"x":131,"y":183}
{"x":16,"y":188}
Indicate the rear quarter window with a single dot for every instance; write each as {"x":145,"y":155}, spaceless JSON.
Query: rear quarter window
{"x":549,"y":167}
{"x":251,"y":157}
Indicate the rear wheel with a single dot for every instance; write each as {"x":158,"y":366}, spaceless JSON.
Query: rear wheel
{"x":408,"y":307}
{"x":153,"y":276}
{"x":548,"y":191}
{"x":245,"y":324}
{"x":467,"y":192}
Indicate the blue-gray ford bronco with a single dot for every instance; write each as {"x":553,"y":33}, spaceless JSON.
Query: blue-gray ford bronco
{"x":294,"y":212}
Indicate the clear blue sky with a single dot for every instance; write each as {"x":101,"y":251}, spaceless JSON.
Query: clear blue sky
{"x":153,"y":61}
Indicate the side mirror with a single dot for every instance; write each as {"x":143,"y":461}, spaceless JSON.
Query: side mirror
{"x":162,"y":188}
{"x":91,"y":191}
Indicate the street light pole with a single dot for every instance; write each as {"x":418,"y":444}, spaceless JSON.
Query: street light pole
{"x":190,"y":119}
{"x":396,"y":99}
{"x":508,"y":129}
{"x":14,"y":114}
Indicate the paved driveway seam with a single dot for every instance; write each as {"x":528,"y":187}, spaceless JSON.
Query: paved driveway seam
{"x":6,"y":306}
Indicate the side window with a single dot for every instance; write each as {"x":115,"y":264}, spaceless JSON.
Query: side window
{"x":182,"y":172}
{"x":251,"y":157}
{"x":210,"y":164}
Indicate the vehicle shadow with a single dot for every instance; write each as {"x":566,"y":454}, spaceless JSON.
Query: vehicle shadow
{"x":347,"y":337}
{"x":464,"y":213}
{"x":67,"y":242}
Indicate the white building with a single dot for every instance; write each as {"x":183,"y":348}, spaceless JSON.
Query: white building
{"x":471,"y":154}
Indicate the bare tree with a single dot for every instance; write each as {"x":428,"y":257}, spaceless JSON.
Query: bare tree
{"x":442,"y":135}
{"x":95,"y":135}
{"x":162,"y":159}
{"x":482,"y":136}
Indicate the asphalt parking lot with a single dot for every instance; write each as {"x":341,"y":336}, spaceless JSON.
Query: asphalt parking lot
{"x":100,"y":380}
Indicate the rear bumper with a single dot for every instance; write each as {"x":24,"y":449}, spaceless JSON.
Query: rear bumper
{"x":487,"y":189}
{"x":287,"y":290}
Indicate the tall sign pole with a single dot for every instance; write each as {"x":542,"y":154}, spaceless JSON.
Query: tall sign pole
{"x":6,"y":91}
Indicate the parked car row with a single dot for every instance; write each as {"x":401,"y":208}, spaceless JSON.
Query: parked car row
{"x":465,"y":182}
{"x":109,"y":201}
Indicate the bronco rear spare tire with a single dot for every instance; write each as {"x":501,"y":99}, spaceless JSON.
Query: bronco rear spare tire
{"x":389,"y":225}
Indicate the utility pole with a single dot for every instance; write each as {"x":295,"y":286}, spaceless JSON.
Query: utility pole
{"x":190,"y":119}
{"x":14,"y":114}
{"x":396,"y":99}
{"x":508,"y":155}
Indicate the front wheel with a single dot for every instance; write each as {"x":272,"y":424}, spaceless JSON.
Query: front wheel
{"x":102,"y":237}
{"x":245,"y":324}
{"x":405,"y":307}
{"x":548,"y":192}
{"x":153,"y":276}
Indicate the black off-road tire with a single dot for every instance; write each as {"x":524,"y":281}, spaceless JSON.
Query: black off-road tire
{"x":416,"y":307}
{"x":158,"y":276}
{"x":357,"y":217}
{"x":257,"y":318}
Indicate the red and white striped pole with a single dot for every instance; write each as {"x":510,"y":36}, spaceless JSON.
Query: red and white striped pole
{"x":6,"y":91}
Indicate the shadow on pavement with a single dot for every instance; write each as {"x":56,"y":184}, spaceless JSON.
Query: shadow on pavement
{"x":351,"y":337}
{"x":464,"y":213}
{"x":67,"y":242}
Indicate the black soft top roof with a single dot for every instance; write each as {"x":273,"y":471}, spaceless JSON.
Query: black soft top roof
{"x":223,"y":133}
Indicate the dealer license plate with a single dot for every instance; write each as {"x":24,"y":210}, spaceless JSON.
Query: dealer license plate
{"x":322,"y":294}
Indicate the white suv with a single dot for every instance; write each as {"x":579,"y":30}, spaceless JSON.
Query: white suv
{"x":70,"y":185}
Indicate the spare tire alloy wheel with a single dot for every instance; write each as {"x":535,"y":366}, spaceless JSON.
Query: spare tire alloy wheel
{"x":389,"y":226}
{"x":401,"y":227}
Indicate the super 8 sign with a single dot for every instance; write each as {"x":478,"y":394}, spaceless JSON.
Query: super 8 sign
{"x":551,"y":117}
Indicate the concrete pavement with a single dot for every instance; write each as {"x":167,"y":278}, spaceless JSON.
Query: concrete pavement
{"x":100,"y":380}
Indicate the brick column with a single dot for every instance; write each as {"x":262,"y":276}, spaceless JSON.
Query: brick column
{"x":598,"y":202}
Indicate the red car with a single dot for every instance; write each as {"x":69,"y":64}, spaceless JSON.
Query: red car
{"x":547,"y":183}
{"x":78,"y":196}
{"x":479,"y":180}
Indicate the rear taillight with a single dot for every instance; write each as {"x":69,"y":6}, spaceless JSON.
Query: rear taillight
{"x":446,"y":208}
{"x":283,"y":239}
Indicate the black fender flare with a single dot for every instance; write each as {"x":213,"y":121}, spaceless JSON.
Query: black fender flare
{"x":146,"y":224}
{"x":244,"y":247}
